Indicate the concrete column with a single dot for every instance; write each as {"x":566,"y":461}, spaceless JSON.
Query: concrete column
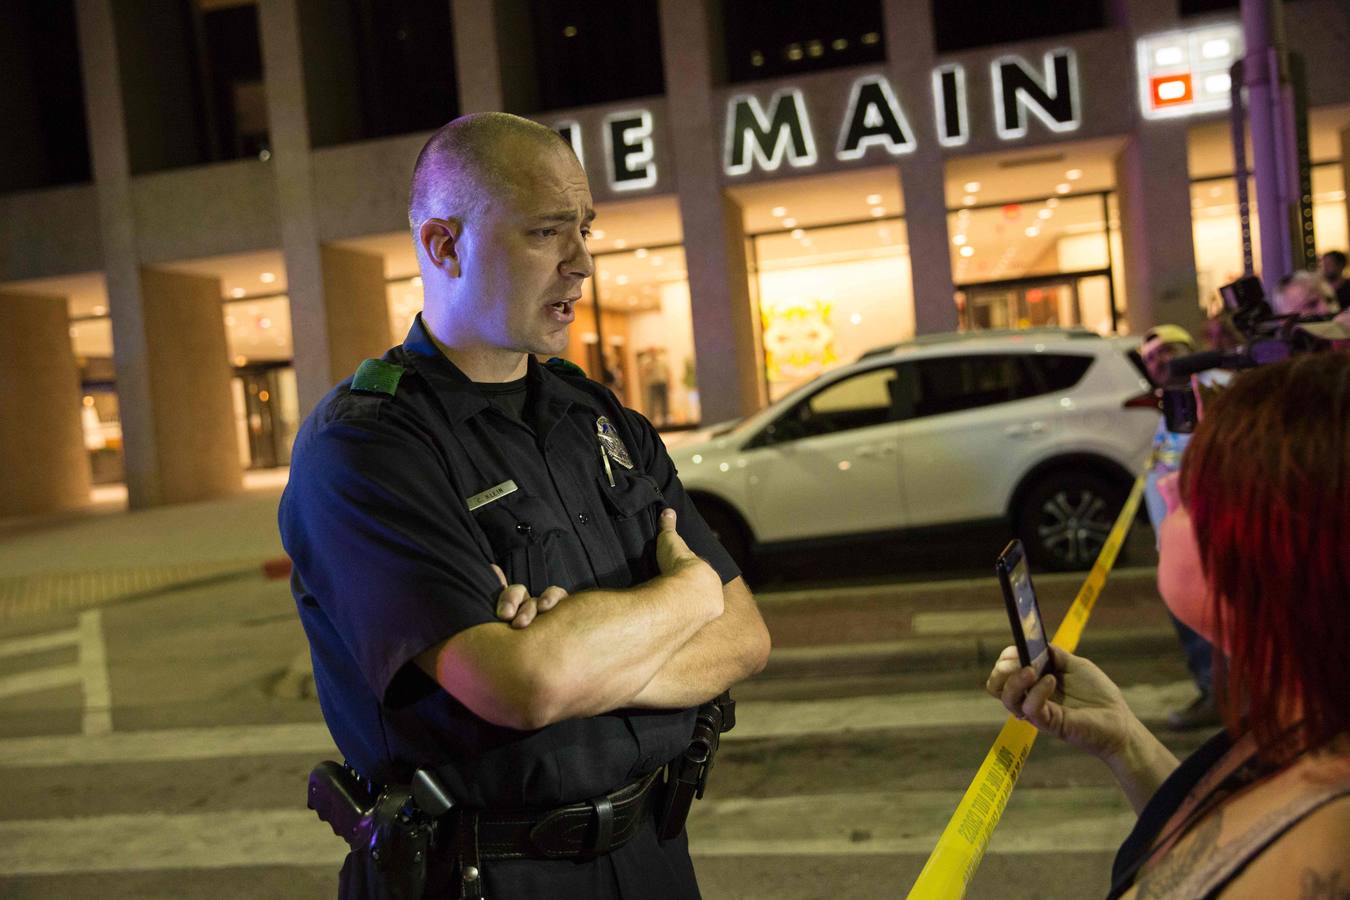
{"x":112,"y":182}
{"x":1345,"y":177}
{"x":1155,"y":225}
{"x":288,"y":125}
{"x":358,"y":309}
{"x":190,"y":386}
{"x":486,"y":32}
{"x":910,"y":61}
{"x":1153,"y":184}
{"x":726,"y":347}
{"x":42,"y":448}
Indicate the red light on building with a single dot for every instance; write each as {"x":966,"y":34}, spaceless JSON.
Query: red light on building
{"x":1171,"y":90}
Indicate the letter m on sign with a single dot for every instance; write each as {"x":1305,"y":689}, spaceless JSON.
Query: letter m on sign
{"x":755,"y":137}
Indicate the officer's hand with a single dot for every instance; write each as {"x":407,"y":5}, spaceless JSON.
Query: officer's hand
{"x":671,"y":551}
{"x":516,"y":606}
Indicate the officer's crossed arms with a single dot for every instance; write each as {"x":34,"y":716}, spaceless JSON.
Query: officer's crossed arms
{"x":673,"y":642}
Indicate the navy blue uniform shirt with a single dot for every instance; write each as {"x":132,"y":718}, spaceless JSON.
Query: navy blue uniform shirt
{"x":390,"y":561}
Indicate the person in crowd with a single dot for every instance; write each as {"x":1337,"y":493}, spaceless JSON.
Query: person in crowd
{"x":1304,"y":294}
{"x":1254,"y":556}
{"x":1333,"y":270}
{"x":1221,"y":334}
{"x":501,"y":577}
{"x":1161,"y":345}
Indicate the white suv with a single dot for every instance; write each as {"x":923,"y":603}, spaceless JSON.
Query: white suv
{"x":1040,"y":429}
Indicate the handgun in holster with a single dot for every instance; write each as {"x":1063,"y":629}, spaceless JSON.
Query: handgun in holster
{"x":396,"y":825}
{"x":687,"y":775}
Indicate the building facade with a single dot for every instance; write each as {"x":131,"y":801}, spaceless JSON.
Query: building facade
{"x":776,"y":194}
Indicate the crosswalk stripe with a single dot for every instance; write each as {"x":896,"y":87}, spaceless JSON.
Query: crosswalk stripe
{"x":829,"y":824}
{"x":755,"y":719}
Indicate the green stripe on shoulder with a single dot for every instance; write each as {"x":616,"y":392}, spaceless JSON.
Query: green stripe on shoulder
{"x":560,"y":366}
{"x":375,"y":376}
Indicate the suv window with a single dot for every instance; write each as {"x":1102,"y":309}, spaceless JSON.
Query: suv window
{"x":858,"y":401}
{"x":1059,"y":371}
{"x":953,"y":383}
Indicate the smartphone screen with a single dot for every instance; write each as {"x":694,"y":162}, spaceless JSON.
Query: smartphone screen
{"x":1024,"y":613}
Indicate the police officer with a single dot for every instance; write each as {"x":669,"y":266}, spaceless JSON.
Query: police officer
{"x":499,"y":573}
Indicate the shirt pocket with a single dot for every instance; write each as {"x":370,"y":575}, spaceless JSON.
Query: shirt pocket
{"x":525,"y":542}
{"x":633,"y":505}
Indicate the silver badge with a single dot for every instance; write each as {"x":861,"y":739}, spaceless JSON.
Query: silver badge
{"x":611,"y":443}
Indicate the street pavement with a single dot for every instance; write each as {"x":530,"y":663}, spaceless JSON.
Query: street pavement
{"x":157,"y":724}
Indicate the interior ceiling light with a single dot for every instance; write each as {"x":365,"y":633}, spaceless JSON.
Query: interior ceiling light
{"x":878,"y":212}
{"x":267,"y":277}
{"x":778,"y":211}
{"x":789,"y":222}
{"x":598,"y":234}
{"x":569,"y":31}
{"x":1045,"y":213}
{"x":972,"y":187}
{"x":237,"y":292}
{"x":1052,"y":202}
{"x":1074,"y":174}
{"x":416,"y":281}
{"x":798,"y":233}
{"x":1032,"y":231}
{"x":640,"y":253}
{"x":959,"y":240}
{"x":1063,"y":187}
{"x":873,"y":199}
{"x":620,"y":244}
{"x":967,"y":250}
{"x":968,"y":199}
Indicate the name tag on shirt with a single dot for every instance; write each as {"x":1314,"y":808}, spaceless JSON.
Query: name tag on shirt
{"x":491,"y":494}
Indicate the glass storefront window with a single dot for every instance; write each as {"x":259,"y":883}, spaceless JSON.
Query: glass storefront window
{"x":829,"y":294}
{"x":266,"y":406}
{"x":642,"y":348}
{"x":1046,"y":262}
{"x":1329,"y":210}
{"x":91,"y":339}
{"x":258,"y":330}
{"x":1217,"y":234}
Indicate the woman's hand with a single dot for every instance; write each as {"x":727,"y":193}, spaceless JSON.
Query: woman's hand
{"x":1079,"y":704}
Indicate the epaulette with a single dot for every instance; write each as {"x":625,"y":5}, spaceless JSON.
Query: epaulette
{"x":559,"y":366}
{"x":375,"y":376}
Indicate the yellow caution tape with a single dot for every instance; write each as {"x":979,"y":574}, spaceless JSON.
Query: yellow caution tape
{"x":959,"y":850}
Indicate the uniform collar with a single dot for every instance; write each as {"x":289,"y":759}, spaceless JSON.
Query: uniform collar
{"x":462,"y":399}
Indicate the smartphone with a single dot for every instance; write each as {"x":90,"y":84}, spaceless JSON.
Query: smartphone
{"x":1024,"y":613}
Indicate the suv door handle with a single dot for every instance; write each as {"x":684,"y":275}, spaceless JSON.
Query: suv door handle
{"x":1025,"y":430}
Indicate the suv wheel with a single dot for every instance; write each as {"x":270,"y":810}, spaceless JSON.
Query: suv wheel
{"x":1065,"y":518}
{"x":730,"y":533}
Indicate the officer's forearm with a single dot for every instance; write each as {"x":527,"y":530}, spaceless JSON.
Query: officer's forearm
{"x":591,"y":654}
{"x":727,"y":650}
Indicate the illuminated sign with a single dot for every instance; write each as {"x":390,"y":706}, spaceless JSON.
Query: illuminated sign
{"x":874,"y":118}
{"x":949,"y":99}
{"x":629,"y":150}
{"x":571,"y":132}
{"x":1183,"y":73}
{"x":755,"y":137}
{"x":1051,"y":96}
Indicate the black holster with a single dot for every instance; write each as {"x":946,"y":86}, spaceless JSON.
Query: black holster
{"x":391,"y":825}
{"x":687,"y":774}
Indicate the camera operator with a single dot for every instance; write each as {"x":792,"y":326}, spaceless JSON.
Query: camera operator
{"x":1254,"y":556}
{"x":1304,"y":294}
{"x":1161,"y":345}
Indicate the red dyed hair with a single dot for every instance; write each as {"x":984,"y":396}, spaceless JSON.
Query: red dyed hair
{"x":1266,"y":479}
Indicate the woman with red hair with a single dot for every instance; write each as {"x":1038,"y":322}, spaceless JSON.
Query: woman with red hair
{"x":1255,"y":555}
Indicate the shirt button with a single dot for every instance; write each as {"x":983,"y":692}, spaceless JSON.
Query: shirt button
{"x":583,"y":518}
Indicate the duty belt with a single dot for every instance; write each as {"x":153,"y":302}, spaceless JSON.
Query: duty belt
{"x":400,"y":824}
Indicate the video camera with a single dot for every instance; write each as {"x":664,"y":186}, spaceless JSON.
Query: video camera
{"x":1269,"y":339}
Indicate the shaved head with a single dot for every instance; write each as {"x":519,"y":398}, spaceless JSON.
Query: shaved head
{"x":461,"y":167}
